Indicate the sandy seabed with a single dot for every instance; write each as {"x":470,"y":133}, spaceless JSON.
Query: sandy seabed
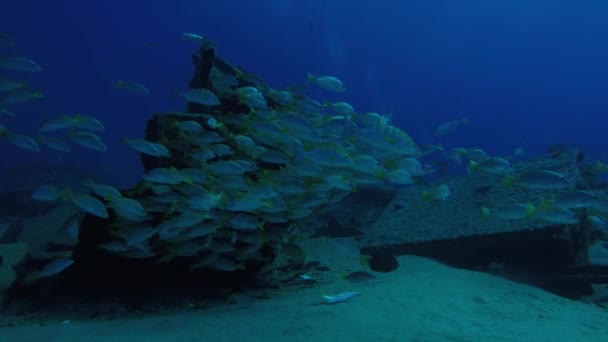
{"x":421,"y":301}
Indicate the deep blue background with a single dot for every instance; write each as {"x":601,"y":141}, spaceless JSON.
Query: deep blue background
{"x":528,"y":73}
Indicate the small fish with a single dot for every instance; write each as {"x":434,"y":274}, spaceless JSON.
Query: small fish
{"x":559,"y":216}
{"x":598,"y":222}
{"x":190,"y":126}
{"x":519,"y":152}
{"x":575,"y":199}
{"x":251,"y":97}
{"x":227,"y":167}
{"x":104,"y":191}
{"x":89,"y":140}
{"x":543,"y":180}
{"x":205,"y":200}
{"x":440,"y":193}
{"x":20,"y":97}
{"x":19,"y":64}
{"x":55,"y":267}
{"x":166,"y":176}
{"x":133,"y":87}
{"x":201,"y":96}
{"x":514,"y":211}
{"x":59,"y":123}
{"x":341,"y":107}
{"x":307,"y":278}
{"x":339,"y":298}
{"x":451,"y":126}
{"x":283,"y":97}
{"x":55,"y":143}
{"x":494,"y":165}
{"x":6,"y":111}
{"x":213,"y":123}
{"x":47,"y":193}
{"x":192,"y":36}
{"x":359,"y":277}
{"x":8,"y":85}
{"x":23,"y":141}
{"x":88,"y":123}
{"x":90,"y":205}
{"x":327,"y":82}
{"x":147,"y":147}
{"x":244,"y":221}
{"x":128,"y":208}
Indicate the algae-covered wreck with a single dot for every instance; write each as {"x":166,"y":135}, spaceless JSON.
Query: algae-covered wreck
{"x":236,"y":183}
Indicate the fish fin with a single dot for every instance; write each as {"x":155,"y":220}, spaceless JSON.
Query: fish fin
{"x":507,"y":182}
{"x":365,"y":259}
{"x":473,"y":165}
{"x":485,"y":213}
{"x":426,"y":195}
{"x":530,"y":210}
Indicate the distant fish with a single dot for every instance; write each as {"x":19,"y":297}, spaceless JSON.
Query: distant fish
{"x":128,"y":208}
{"x":18,"y":97}
{"x":132,"y":87}
{"x":189,"y":126}
{"x":597,"y":221}
{"x":8,"y":85}
{"x":54,"y":143}
{"x":575,"y":199}
{"x":89,"y":140}
{"x":55,"y":267}
{"x":359,"y":277}
{"x":519,"y":152}
{"x":494,"y":165}
{"x":147,"y":147}
{"x":58,"y":123}
{"x":6,"y":111}
{"x":543,"y":180}
{"x":330,"y":83}
{"x":23,"y":141}
{"x":47,"y":193}
{"x":192,"y":36}
{"x":201,"y":96}
{"x":339,"y":298}
{"x":559,"y":216}
{"x":513,"y":211}
{"x":106,"y":192}
{"x":19,"y":64}
{"x":90,"y":205}
{"x":451,"y":126}
{"x":440,"y":193}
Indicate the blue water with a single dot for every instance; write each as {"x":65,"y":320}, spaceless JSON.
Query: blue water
{"x":527,"y":73}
